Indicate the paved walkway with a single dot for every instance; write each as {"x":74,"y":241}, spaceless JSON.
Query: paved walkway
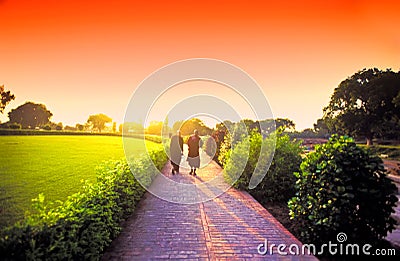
{"x":228,"y":227}
{"x":394,"y":237}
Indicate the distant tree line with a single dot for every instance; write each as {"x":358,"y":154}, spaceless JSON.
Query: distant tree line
{"x":32,"y":115}
{"x":366,"y":106}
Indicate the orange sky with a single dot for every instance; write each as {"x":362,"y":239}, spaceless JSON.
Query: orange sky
{"x":86,"y":57}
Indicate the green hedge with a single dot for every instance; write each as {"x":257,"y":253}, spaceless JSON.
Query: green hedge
{"x":26,"y":132}
{"x":21,"y":132}
{"x":85,"y":224}
{"x":279,"y":181}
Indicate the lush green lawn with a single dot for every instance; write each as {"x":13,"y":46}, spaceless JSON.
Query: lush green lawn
{"x":53,"y":165}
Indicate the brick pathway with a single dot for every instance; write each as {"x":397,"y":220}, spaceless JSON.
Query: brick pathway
{"x":228,"y":227}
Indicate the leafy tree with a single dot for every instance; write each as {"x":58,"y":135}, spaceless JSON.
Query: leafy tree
{"x":47,"y":127}
{"x":225,"y":125}
{"x":59,"y":126}
{"x":98,"y":121}
{"x":287,"y":124}
{"x":6,"y":97}
{"x":176,"y":126}
{"x":155,"y":128}
{"x":15,"y":126}
{"x":114,"y":127}
{"x":365,"y":104}
{"x":190,"y":125}
{"x":70,"y":128}
{"x":30,"y":115}
{"x":79,"y":126}
{"x":321,"y":128}
{"x":165,"y":128}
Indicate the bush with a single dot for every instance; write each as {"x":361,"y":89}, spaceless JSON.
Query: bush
{"x":15,"y":126}
{"x":343,"y":188}
{"x":47,"y":127}
{"x":224,"y":150}
{"x":85,"y":224}
{"x":278,"y":183}
{"x":213,"y":143}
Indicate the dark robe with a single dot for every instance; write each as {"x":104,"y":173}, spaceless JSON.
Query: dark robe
{"x":175,"y":151}
{"x":194,"y":144}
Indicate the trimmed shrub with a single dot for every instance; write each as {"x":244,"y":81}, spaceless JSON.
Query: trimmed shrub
{"x":343,"y":188}
{"x":279,"y":182}
{"x":81,"y":227}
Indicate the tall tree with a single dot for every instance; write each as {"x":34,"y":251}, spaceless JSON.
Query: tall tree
{"x":365,"y":104}
{"x":30,"y":115}
{"x":176,"y":126}
{"x":6,"y":97}
{"x":155,"y":128}
{"x":114,"y":127}
{"x":190,"y":125}
{"x":98,"y":121}
{"x":321,"y":128}
{"x":79,"y":126}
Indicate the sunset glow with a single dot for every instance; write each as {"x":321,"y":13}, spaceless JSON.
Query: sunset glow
{"x":87,"y":57}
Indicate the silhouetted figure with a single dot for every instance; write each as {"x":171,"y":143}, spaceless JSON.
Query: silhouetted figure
{"x":176,"y":151}
{"x":194,"y":143}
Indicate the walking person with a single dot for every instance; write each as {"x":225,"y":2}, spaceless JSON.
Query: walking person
{"x":194,"y":143}
{"x":176,"y":151}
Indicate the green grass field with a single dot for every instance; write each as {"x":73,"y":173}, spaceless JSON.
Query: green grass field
{"x":52,"y":165}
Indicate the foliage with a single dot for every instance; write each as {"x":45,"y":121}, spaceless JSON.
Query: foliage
{"x":365,"y":105}
{"x":177,"y":126}
{"x":98,"y":121}
{"x":6,"y":97}
{"x":279,"y":181}
{"x":213,"y":143}
{"x":14,"y":125}
{"x":114,"y":127}
{"x":224,"y":150}
{"x":286,"y":124}
{"x":47,"y":127}
{"x":343,"y":188}
{"x":30,"y":115}
{"x":79,"y":126}
{"x":59,"y":126}
{"x":321,"y":128}
{"x":82,"y":226}
{"x":190,"y":125}
{"x":154,"y":128}
{"x":70,"y":128}
{"x":234,"y":132}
